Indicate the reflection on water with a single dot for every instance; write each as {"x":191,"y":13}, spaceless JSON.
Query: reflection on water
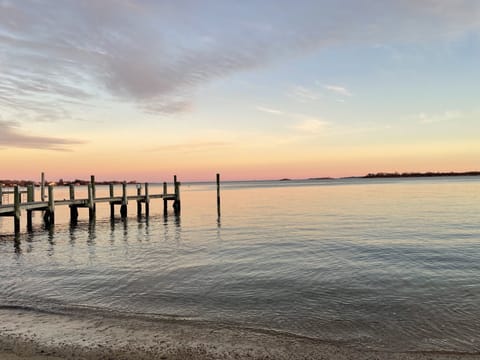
{"x":383,"y":264}
{"x":16,"y":245}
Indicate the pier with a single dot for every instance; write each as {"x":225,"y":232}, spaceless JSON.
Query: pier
{"x":48,"y":204}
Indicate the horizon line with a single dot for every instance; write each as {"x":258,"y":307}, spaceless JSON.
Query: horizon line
{"x":367,"y":176}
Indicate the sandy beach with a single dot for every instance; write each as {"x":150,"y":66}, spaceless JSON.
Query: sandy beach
{"x":41,"y":336}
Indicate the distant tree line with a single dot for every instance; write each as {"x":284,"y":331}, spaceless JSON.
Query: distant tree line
{"x":60,"y":182}
{"x":420,"y":174}
{"x":10,"y":183}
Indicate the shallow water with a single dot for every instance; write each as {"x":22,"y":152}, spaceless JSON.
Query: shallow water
{"x":389,"y":264}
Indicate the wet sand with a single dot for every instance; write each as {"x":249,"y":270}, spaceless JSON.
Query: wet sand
{"x":41,"y":336}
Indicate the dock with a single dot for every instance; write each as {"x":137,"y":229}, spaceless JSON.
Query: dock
{"x":48,"y":204}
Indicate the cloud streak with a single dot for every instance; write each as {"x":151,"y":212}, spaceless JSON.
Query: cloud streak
{"x":338,"y":90}
{"x":270,"y":110}
{"x":158,"y":54}
{"x":11,"y":135}
{"x":424,"y":118}
{"x":310,"y":125}
{"x":304,"y":94}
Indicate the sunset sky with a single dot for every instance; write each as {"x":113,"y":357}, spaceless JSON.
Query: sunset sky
{"x":132,"y":89}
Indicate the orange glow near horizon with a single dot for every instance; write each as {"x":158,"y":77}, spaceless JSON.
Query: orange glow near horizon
{"x":260,"y":93}
{"x":236,"y":163}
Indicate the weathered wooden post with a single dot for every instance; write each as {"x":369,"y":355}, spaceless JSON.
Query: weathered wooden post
{"x":30,"y":198}
{"x":30,"y":193}
{"x":17,"y":211}
{"x":139,"y":202}
{"x":112,"y":205}
{"x":73,"y":207}
{"x":50,"y":214}
{"x":91,"y":203}
{"x":1,"y":194}
{"x":42,"y":187}
{"x":165,"y":201}
{"x":72,"y":191}
{"x":176,"y":202}
{"x":147,"y":201}
{"x":218,"y":195}
{"x":123,"y":208}
{"x":94,"y":192}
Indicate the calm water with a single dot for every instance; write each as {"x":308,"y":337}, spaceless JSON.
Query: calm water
{"x":392,"y":264}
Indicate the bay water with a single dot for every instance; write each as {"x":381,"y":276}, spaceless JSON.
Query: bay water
{"x":380,"y":263}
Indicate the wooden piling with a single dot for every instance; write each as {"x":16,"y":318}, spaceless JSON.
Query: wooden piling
{"x":147,"y":201}
{"x":73,"y":208}
{"x":165,"y":202}
{"x":91,"y":203}
{"x":30,"y":198}
{"x":123,"y":208}
{"x":139,"y":202}
{"x":30,"y":193}
{"x":92,"y":181}
{"x":218,"y":195}
{"x":1,"y":194}
{"x":176,"y":202}
{"x":51,"y":206}
{"x":94,"y":192}
{"x":72,"y":191}
{"x":42,"y":187}
{"x":112,"y":205}
{"x":17,"y":210}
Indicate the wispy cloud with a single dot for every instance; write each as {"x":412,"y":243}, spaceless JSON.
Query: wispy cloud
{"x":435,"y":118}
{"x":269,"y":110}
{"x":11,"y":135}
{"x":305,"y":94}
{"x":338,"y":90}
{"x":302,"y":123}
{"x":157,"y":54}
{"x":310,"y":125}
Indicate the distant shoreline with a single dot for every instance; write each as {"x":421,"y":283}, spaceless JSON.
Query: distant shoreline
{"x":382,"y":175}
{"x":419,"y":174}
{"x":379,"y":175}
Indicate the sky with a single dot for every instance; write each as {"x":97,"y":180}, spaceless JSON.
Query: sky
{"x":144,"y":89}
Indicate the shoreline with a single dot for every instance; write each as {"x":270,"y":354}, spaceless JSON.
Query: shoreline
{"x":378,"y":175}
{"x":31,"y":335}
